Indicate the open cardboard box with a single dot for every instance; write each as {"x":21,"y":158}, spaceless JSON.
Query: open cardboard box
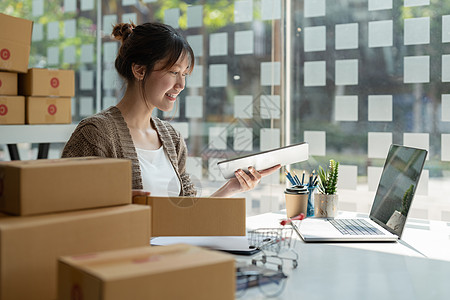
{"x":53,"y":185}
{"x":30,"y":246}
{"x":166,"y":272}
{"x":196,"y":216}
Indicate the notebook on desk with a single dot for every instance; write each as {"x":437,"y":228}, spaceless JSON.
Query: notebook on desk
{"x":398,"y":183}
{"x":232,"y":244}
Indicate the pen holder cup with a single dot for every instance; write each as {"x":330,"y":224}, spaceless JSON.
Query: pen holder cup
{"x":296,"y":202}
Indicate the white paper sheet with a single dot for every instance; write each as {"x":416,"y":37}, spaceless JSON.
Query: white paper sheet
{"x":380,"y":108}
{"x":218,"y":44}
{"x":243,"y":42}
{"x":380,"y":33}
{"x":316,"y":141}
{"x":315,"y":38}
{"x":416,"y":69}
{"x":346,"y":108}
{"x":195,"y":16}
{"x":346,"y":72}
{"x":315,"y":73}
{"x":417,"y":31}
{"x":378,"y":144}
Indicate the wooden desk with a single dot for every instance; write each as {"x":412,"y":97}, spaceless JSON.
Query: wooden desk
{"x":11,"y":135}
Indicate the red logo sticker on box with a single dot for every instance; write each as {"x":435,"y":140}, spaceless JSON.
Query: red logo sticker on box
{"x":3,"y":109}
{"x":5,"y":54}
{"x":54,"y":82}
{"x":0,"y":83}
{"x":52,"y":109}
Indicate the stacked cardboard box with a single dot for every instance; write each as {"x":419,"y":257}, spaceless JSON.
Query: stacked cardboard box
{"x":30,"y":96}
{"x":80,"y":208}
{"x":63,"y":207}
{"x":15,"y":43}
{"x":170,"y":272}
{"x":48,"y":95}
{"x":55,"y":185}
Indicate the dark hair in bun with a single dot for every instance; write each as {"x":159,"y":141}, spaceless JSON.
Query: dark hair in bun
{"x":148,"y":44}
{"x":122,"y":31}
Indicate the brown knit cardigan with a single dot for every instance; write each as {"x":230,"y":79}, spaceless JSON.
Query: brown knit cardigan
{"x":106,"y":134}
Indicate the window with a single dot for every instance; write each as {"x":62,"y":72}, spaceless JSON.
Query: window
{"x":367,"y":74}
{"x":348,"y":77}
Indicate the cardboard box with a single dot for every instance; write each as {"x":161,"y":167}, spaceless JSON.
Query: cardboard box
{"x":15,"y":43}
{"x":167,"y":272}
{"x":8,"y":84}
{"x":43,"y":110}
{"x":12,"y":110}
{"x":53,"y":185}
{"x":47,"y":82}
{"x":196,"y":216}
{"x":30,"y":246}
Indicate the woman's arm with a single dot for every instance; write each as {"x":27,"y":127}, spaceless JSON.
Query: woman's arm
{"x":243,"y":182}
{"x":85,"y":141}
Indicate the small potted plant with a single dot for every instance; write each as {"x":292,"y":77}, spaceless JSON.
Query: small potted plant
{"x":326,"y":201}
{"x":398,"y":218}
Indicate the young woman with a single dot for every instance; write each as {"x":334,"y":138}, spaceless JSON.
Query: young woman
{"x":154,"y":59}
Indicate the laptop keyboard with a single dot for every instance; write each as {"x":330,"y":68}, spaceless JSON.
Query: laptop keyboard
{"x":355,"y":227}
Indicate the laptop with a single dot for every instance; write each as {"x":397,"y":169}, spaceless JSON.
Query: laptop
{"x":398,"y":183}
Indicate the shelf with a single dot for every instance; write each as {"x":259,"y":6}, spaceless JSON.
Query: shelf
{"x":49,"y":133}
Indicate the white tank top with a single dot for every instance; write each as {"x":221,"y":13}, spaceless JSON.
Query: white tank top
{"x":158,"y":175}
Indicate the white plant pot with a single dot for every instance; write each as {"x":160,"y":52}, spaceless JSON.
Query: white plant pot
{"x":325,"y":206}
{"x":396,"y":221}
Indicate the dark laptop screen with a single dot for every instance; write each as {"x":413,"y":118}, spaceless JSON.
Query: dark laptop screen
{"x":397,"y":186}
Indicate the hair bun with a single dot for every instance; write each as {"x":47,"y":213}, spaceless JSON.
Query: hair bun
{"x":121,"y":31}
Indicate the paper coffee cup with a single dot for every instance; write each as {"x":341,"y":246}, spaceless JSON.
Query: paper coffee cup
{"x":296,"y":201}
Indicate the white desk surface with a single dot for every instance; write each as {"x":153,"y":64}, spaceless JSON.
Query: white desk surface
{"x":368,"y":270}
{"x":51,"y":133}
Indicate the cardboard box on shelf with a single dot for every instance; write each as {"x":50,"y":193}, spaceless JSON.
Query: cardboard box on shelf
{"x":8,"y":84}
{"x":12,"y":110}
{"x":167,"y":272}
{"x":54,"y":185}
{"x":30,"y":246}
{"x":196,"y":216}
{"x":48,"y":110}
{"x":47,"y":82}
{"x":15,"y":43}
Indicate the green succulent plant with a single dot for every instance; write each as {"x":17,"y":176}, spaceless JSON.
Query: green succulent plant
{"x":328,"y":179}
{"x":407,"y":198}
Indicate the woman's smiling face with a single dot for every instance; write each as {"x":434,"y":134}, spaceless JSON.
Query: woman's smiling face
{"x":163,"y":86}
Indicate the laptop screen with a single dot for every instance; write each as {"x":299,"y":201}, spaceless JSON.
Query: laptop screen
{"x":397,"y":186}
